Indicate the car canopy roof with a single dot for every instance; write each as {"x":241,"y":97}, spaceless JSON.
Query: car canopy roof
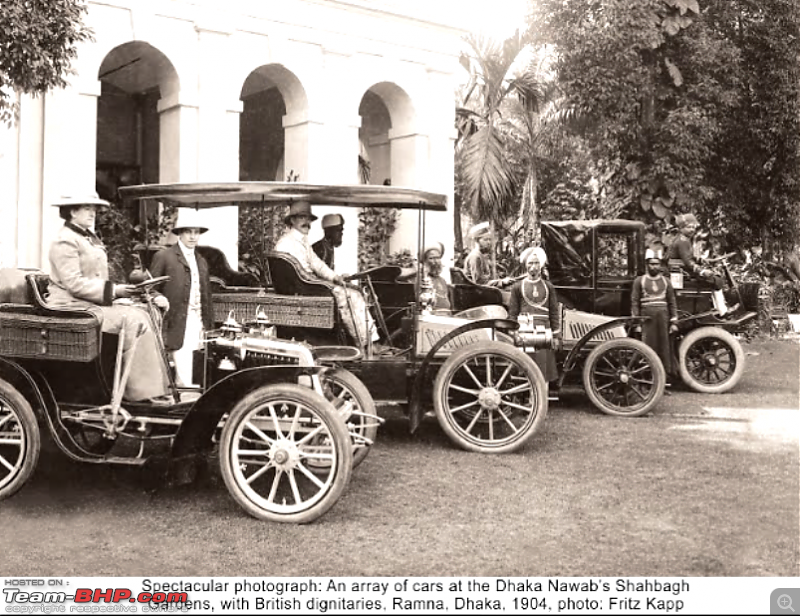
{"x":216,"y":194}
{"x":607,"y":224}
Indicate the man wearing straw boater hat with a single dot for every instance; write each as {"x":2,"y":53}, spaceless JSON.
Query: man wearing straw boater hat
{"x":188,"y":291}
{"x":79,"y":279}
{"x":357,"y":319}
{"x":333,"y":228}
{"x":478,"y":264}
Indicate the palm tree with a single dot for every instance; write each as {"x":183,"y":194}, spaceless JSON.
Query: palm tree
{"x":504,"y":109}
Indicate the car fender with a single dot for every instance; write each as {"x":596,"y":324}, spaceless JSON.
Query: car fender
{"x":415,"y":404}
{"x":197,"y":428}
{"x":572,"y":356}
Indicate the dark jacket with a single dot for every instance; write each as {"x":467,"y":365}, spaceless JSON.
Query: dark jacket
{"x":171,"y":262}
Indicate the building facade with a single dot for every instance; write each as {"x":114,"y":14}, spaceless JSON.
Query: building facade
{"x":204,"y":90}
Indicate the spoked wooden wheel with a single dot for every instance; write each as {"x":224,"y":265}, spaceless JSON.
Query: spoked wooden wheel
{"x":624,"y":376}
{"x":352,"y":400}
{"x":20,"y":440}
{"x":490,"y":397}
{"x":285,"y":454}
{"x":711,"y":360}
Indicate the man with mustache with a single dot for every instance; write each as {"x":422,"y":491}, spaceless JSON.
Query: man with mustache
{"x":431,"y":258}
{"x":536,"y":297}
{"x":358,"y":321}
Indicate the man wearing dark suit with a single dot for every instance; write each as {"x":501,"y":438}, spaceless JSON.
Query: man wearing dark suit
{"x":188,"y":291}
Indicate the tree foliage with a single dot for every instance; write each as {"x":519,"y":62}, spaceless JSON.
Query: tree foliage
{"x":38,"y":41}
{"x":691,"y":105}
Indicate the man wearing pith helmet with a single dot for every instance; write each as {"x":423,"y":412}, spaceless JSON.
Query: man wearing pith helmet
{"x":333,"y":228}
{"x":358,"y":321}
{"x":653,"y":296}
{"x":478,"y":264}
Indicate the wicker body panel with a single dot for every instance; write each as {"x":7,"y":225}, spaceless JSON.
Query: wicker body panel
{"x":288,"y":310}
{"x":49,"y":337}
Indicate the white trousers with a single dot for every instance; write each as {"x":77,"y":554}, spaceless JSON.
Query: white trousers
{"x":191,"y":342}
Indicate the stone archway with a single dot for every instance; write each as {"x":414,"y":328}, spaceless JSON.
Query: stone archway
{"x":272,"y":127}
{"x":396,"y":151}
{"x":133,"y":78}
{"x":131,"y":137}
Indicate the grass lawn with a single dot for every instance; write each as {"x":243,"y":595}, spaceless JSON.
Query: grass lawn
{"x":705,"y":486}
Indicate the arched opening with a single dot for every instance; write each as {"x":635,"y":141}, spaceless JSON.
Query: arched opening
{"x":269,"y":94}
{"x":388,"y":155}
{"x":375,"y":158}
{"x":133,"y":78}
{"x":273,"y":146}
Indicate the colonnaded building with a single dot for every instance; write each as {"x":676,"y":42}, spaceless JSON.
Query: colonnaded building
{"x":212,"y":90}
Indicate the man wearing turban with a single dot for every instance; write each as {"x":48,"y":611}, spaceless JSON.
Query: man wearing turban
{"x":477,"y":265}
{"x":431,"y":258}
{"x":537,"y":297}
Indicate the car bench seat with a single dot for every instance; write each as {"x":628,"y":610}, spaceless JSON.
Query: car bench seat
{"x":297,"y":300}
{"x":29,"y":328}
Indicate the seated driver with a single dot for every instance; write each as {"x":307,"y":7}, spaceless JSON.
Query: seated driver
{"x":431,"y":258}
{"x":357,"y":319}
{"x":681,"y":254}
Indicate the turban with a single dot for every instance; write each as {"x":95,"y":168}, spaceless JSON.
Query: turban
{"x":438,"y":246}
{"x":480,"y":230}
{"x":531,"y":252}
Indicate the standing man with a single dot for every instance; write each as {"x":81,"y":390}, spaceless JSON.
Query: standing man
{"x":537,"y":297}
{"x":681,"y":254}
{"x":653,"y":296}
{"x":478,"y":265}
{"x":333,"y":227}
{"x":188,"y":291}
{"x":352,"y":307}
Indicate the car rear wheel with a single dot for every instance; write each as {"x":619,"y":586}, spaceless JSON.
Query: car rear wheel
{"x":711,"y":360}
{"x":624,"y":377}
{"x":490,"y":397}
{"x":352,"y":400}
{"x":285,"y":454}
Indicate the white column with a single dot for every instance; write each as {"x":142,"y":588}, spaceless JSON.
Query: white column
{"x":9,"y":193}
{"x":218,"y":132}
{"x":69,"y":156}
{"x":409,"y":160}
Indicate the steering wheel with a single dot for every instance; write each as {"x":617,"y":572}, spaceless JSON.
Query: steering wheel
{"x":147,"y":285}
{"x":721,"y":257}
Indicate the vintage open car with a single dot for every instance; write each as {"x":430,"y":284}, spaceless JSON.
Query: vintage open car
{"x":487,"y":393}
{"x":593,"y":263}
{"x":277,"y":417}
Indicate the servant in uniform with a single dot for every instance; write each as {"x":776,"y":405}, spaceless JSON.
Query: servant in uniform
{"x":333,"y":227}
{"x":537,"y":297}
{"x":653,"y":296}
